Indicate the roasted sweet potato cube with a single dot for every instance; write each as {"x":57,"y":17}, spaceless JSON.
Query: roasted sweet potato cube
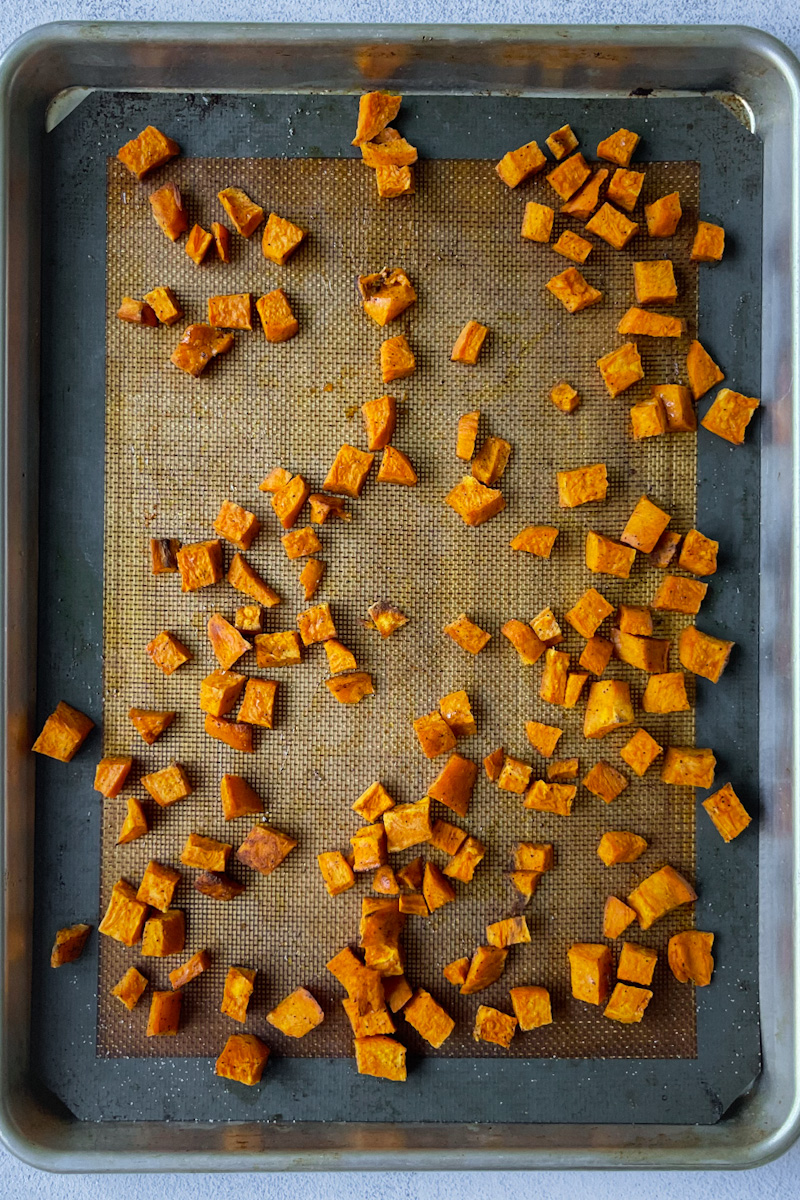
{"x":624,"y":188}
{"x":454,"y":783}
{"x":447,"y":837}
{"x":690,"y":766}
{"x":168,"y":785}
{"x":676,"y":401}
{"x":606,"y":557}
{"x":702,"y":654}
{"x":243,"y":1059}
{"x":474,"y":502}
{"x":518,"y":165}
{"x":382,"y":921}
{"x":350,"y":688}
{"x":634,"y":619}
{"x":385,"y":881}
{"x":149,"y":723}
{"x":456,"y":710}
{"x":222,"y":241}
{"x":289,"y":498}
{"x":226,"y":641}
{"x":543,"y":738}
{"x":463,"y":863}
{"x":555,"y":798}
{"x":515,"y":775}
{"x":729,"y":415}
{"x":620,"y":846}
{"x":586,"y":199}
{"x":217,"y":885}
{"x":569,"y":176}
{"x":316,"y":624}
{"x":219,"y":692}
{"x":149,"y":150}
{"x":537,"y":222}
{"x":582,"y":486}
{"x":575,"y":684}
{"x":573,"y":291}
{"x":608,"y":708}
{"x":547,"y":628}
{"x":277,"y":319}
{"x":394,"y":181}
{"x":205,"y":854}
{"x":524,"y":640}
{"x":397,"y":359}
{"x":659,"y":894}
{"x":197,"y":347}
{"x":238,"y":798}
{"x":362,"y":984}
{"x":646,"y":654}
{"x":258,"y":703}
{"x":709,"y":243}
{"x":265,"y":848}
{"x":297,"y":1014}
{"x":233,"y":311}
{"x":698,"y":554}
{"x":455,"y":972}
{"x":337,"y":874}
{"x":137,"y":312}
{"x":648,"y":418}
{"x":69,"y":943}
{"x":396,"y":467}
{"x":380,"y":1056}
{"x":680,"y":595}
{"x":701,"y":369}
{"x":612,"y":226}
{"x":663,"y":215}
{"x":235,"y":734}
{"x":369,"y":847}
{"x":245,"y":215}
{"x":197,"y":243}
{"x":564,"y":396}
{"x":562,"y":142}
{"x":468,"y":344}
{"x":577,"y":249}
{"x":164,"y":555}
{"x":368,"y":1024}
{"x":617,"y":916}
{"x":164,"y":934}
{"x":434,"y":734}
{"x":645,"y":526}
{"x":727,"y":812}
{"x":164,"y":304}
{"x":408,"y":824}
{"x":348,"y":472}
{"x":63,"y":733}
{"x":596,"y":655}
{"x":242,"y":576}
{"x":562,"y":770}
{"x":167,"y":652}
{"x":238,"y":989}
{"x":467,"y":435}
{"x":636,"y":964}
{"x":618,"y":147}
{"x":435,"y":888}
{"x":165,"y":1014}
{"x":641,"y":752}
{"x":554,"y":677}
{"x":130,"y":988}
{"x":280,"y":239}
{"x":249,"y":619}
{"x":467,"y":635}
{"x":300,"y":543}
{"x":324,"y":507}
{"x":654,"y":282}
{"x":386,"y":294}
{"x":414,"y":906}
{"x":111,"y":773}
{"x":135,"y":824}
{"x":627,"y":1003}
{"x":690,"y":958}
{"x":490,"y":462}
{"x":590,"y":971}
{"x":493,"y":764}
{"x":666,"y":693}
{"x":486,"y":966}
{"x":531,"y":1007}
{"x":200,"y":565}
{"x":494,"y":1026}
{"x":621,"y":368}
{"x":376,"y":110}
{"x":604,"y":781}
{"x":665,"y":549}
{"x":380,"y":417}
{"x":638,"y":322}
{"x":397,"y":991}
{"x":372,"y":803}
{"x":190,"y":970}
{"x":510,"y":932}
{"x":589,"y":613}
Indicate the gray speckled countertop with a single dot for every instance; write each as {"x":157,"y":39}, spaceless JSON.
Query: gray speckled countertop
{"x":780,"y":1179}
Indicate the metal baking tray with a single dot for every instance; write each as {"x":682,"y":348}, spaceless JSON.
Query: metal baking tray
{"x":41,"y":78}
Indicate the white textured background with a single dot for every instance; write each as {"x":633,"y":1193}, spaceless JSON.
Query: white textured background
{"x":780,"y":1179}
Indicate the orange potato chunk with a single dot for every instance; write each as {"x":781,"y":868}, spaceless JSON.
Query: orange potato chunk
{"x":665,"y":549}
{"x":596,"y":655}
{"x":168,"y":785}
{"x":200,"y":565}
{"x":612,"y":226}
{"x":515,"y":775}
{"x":148,"y":151}
{"x":663,"y":215}
{"x":582,"y":486}
{"x":469,"y":342}
{"x":636,"y":964}
{"x":163,"y":555}
{"x":394,"y":181}
{"x":164,"y":304}
{"x":397,"y":359}
{"x":197,"y":243}
{"x":245,"y":215}
{"x":531,"y":1007}
{"x":536,"y":539}
{"x":130,"y":988}
{"x":190,"y":970}
{"x":226,"y":641}
{"x":525,"y":882}
{"x":537,"y":222}
{"x":666,"y":693}
{"x":590,"y":971}
{"x":648,"y":418}
{"x":219,"y":691}
{"x":490,"y":462}
{"x":265,"y":848}
{"x":562,"y":142}
{"x":641,"y":752}
{"x":238,"y":798}
{"x":414,"y":906}
{"x":300,"y":543}
{"x":454,"y":784}
{"x":463,"y":863}
{"x":111,"y":773}
{"x":494,"y":1026}
{"x":562,"y":770}
{"x":407,"y":825}
{"x":659,"y":894}
{"x":564,"y":397}
{"x":640,"y":322}
{"x":573,"y":291}
{"x":63,"y":733}
{"x":698,"y":554}
{"x":645,"y":526}
{"x":396,"y":467}
{"x":604,"y":781}
{"x":456,"y":971}
{"x":555,"y":798}
{"x":376,"y":110}
{"x":474,"y":502}
{"x":702,"y":654}
{"x":297,"y":1014}
{"x":69,"y":944}
{"x":316,"y":624}
{"x":624,"y":188}
{"x":635,"y":620}
{"x":164,"y":934}
{"x":572,"y":246}
{"x":493,"y":764}
{"x":646,"y":654}
{"x":243,"y":1059}
{"x":386,"y":294}
{"x":242,"y":576}
{"x":569,"y":176}
{"x":690,"y":766}
{"x":621,"y":368}
{"x":678,"y":408}
{"x":627,"y":1004}
{"x":617,"y":916}
{"x":510,"y":932}
{"x":680,"y":595}
{"x":428,"y":1018}
{"x":727,"y":812}
{"x":467,"y":435}
{"x":385,"y":881}
{"x":205,"y":854}
{"x":280,"y":239}
{"x":165,"y":1014}
{"x":618,"y":147}
{"x":197,"y":347}
{"x":380,"y":417}
{"x":352,"y":688}
{"x":654,"y":282}
{"x":337,"y":874}
{"x":233,"y":311}
{"x":608,"y":708}
{"x":585,"y":201}
{"x":486,"y":966}
{"x":543,"y":738}
{"x":605,"y":557}
{"x":709,"y":243}
{"x":167,"y":652}
{"x":554,"y":677}
{"x":289,"y":499}
{"x":702,"y":371}
{"x":380,"y":1056}
{"x":372,"y":803}
{"x":456,"y":710}
{"x":446,"y":837}
{"x":278,"y":649}
{"x":467,"y":634}
{"x":369,"y":848}
{"x":575,"y":684}
{"x":323,"y":507}
{"x":150,"y":724}
{"x":382,"y":921}
{"x":277,"y":319}
{"x":546,"y":628}
{"x":217,"y":886}
{"x":729,"y":415}
{"x":222,"y":241}
{"x":620,"y":846}
{"x":135,"y":824}
{"x":238,"y":989}
{"x":348,"y":472}
{"x":397,"y":991}
{"x":589,"y":613}
{"x":690,"y":958}
{"x":310,"y":578}
{"x":518,"y":165}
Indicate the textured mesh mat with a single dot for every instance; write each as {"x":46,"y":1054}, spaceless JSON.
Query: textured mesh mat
{"x":177,"y":447}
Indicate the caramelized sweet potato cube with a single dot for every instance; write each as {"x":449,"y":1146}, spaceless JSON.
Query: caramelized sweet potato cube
{"x":531,"y":1007}
{"x":621,"y":368}
{"x":606,"y":557}
{"x":382,"y":922}
{"x":217,"y":885}
{"x":582,"y":486}
{"x":618,"y":147}
{"x":702,"y":654}
{"x":701,"y":369}
{"x":193,"y":967}
{"x":468,"y":343}
{"x":510,"y":932}
{"x":585,"y":201}
{"x":690,"y":766}
{"x":627,"y":1003}
{"x":111,"y":773}
{"x":596,"y":655}
{"x":149,"y":723}
{"x":324,"y":507}
{"x":316,"y":624}
{"x":648,"y":418}
{"x":233,"y":311}
{"x":454,"y":783}
{"x":197,"y":347}
{"x":608,"y":708}
{"x":63,"y":733}
{"x":572,"y":692}
{"x":665,"y":549}
{"x":300,"y":543}
{"x":249,"y":619}
{"x":385,"y":881}
{"x":245,"y":215}
{"x":277,"y":319}
{"x":164,"y":304}
{"x":640,"y":322}
{"x":620,"y":846}
{"x":164,"y":934}
{"x":537,"y":222}
{"x":554,"y":677}
{"x":435,"y":888}
{"x":200,"y":565}
{"x":362,"y":984}
{"x":350,"y":688}
{"x":515,"y":775}
{"x":455,"y":708}
{"x":467,"y":435}
{"x":709,"y":243}
{"x":663,"y":215}
{"x":564,"y":397}
{"x":636,"y":963}
{"x":680,"y":595}
{"x":659,"y":894}
{"x":397,"y":359}
{"x":226,"y":641}
{"x":434,"y":734}
{"x":562,"y":142}
{"x":167,"y":652}
{"x":278,"y":649}
{"x":348,"y":472}
{"x":493,"y":764}
{"x":297,"y":1014}
{"x":612,"y":226}
{"x":690,"y":958}
{"x":577,"y":249}
{"x":396,"y":467}
{"x":645,"y":526}
{"x":135,"y":824}
{"x":369,"y":847}
{"x":242,"y":577}
{"x":219,"y":692}
{"x":372,"y":803}
{"x":70,"y":942}
{"x":280,"y":239}
{"x":546,"y":628}
{"x":729,"y":415}
{"x":289,"y":498}
{"x":634,"y":619}
{"x":640,"y":752}
{"x":698,"y":554}
{"x":654,"y":282}
{"x":151,"y":149}
{"x":494,"y":1026}
{"x":555,"y":798}
{"x":727,"y":812}
{"x":467,"y":635}
{"x":590,"y":971}
{"x":380,"y":417}
{"x":376,"y":110}
{"x":455,"y":972}
{"x":197,"y":243}
{"x":486,"y":966}
{"x":414,"y":906}
{"x":522,"y":637}
{"x":569,"y":176}
{"x":446,"y":837}
{"x":525,"y":882}
{"x":589,"y":613}
{"x":562,"y":770}
{"x":397,"y":991}
{"x":205,"y":854}
{"x":164,"y":555}
{"x":474,"y":502}
{"x":624,"y":188}
{"x":265,"y":848}
{"x":408,"y":824}
{"x":222,"y":241}
{"x":238,"y":798}
{"x":130,"y":988}
{"x":258,"y":703}
{"x":617,"y":916}
{"x":543,"y":738}
{"x":168,"y":786}
{"x":165,"y":1014}
{"x":386,"y":294}
{"x":392,"y":180}
{"x":238,"y":989}
{"x":463,"y":863}
{"x":380,"y":1056}
{"x":678,"y":408}
{"x":604,"y":781}
{"x":573,"y":291}
{"x":243,"y":1059}
{"x":518,"y":165}
{"x":337,"y":874}
{"x":490,"y":462}
{"x":666,"y":693}
{"x":646,"y":654}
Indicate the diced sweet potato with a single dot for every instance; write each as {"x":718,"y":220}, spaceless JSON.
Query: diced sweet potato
{"x":368,"y":1024}
{"x":349,"y":471}
{"x":380,"y":417}
{"x":562,"y":142}
{"x":243,"y":1059}
{"x":645,"y":526}
{"x":573,"y":291}
{"x":554,"y":676}
{"x":546,"y":628}
{"x":612,"y":226}
{"x":665,"y":549}
{"x":690,"y":766}
{"x":456,"y":971}
{"x":620,"y":846}
{"x":666,"y":693}
{"x":386,"y":294}
{"x":130,"y":988}
{"x":555,"y":798}
{"x":641,"y":752}
{"x":659,"y":894}
{"x":636,"y":964}
{"x":300,"y":543}
{"x":644,"y":653}
{"x":486,"y":966}
{"x":380,"y":1056}
{"x":397,"y":359}
{"x":493,"y":764}
{"x":350,"y":688}
{"x":606,"y":557}
{"x":676,"y":402}
{"x":167,"y":652}
{"x":490,"y":462}
{"x":382,"y":922}
{"x":456,"y":710}
{"x":617,"y":916}
{"x":585,"y":201}
{"x":627,"y":1004}
{"x":69,"y":943}
{"x":339,"y":657}
{"x":575,"y":684}
{"x":205,"y":854}
{"x":149,"y":723}
{"x":408,"y":824}
{"x":242,"y":577}
{"x":278,"y":649}
{"x":590,"y":971}
{"x":280,"y":239}
{"x":729,"y":415}
{"x":164,"y":933}
{"x":648,"y":418}
{"x":230,"y":312}
{"x":217,"y":886}
{"x":198,"y":243}
{"x":392,"y":180}
{"x":235,"y":734}
{"x":446,"y":837}
{"x":369,"y":847}
{"x":245,"y":215}
{"x":727,"y":812}
{"x":277,"y":319}
{"x":663,"y":215}
{"x":135,"y":824}
{"x":219,"y":692}
{"x":702,"y":654}
{"x":362,"y":984}
{"x":372,"y":803}
{"x":164,"y":304}
{"x":165,"y":1014}
{"x":376,"y":110}
{"x":564,"y":397}
{"x":582,"y":486}
{"x":111,"y":773}
{"x":190,"y":970}
{"x":654,"y":283}
{"x":63,"y":733}
{"x":168,"y":785}
{"x":414,"y":906}
{"x":200,"y":565}
{"x":198,"y":346}
{"x":474,"y":502}
{"x":531,"y":1007}
{"x":265,"y":848}
{"x":621,"y":368}
{"x":589,"y":613}
{"x":511,"y":931}
{"x":701,"y":369}
{"x":608,"y":708}
{"x":515,"y":775}
{"x":709,"y":243}
{"x":297,"y":1014}
{"x":525,"y":882}
{"x":543,"y":738}
{"x":537,"y":222}
{"x":397,"y":991}
{"x":428,"y":1018}
{"x":434,"y":734}
{"x":524,"y":640}
{"x":569,"y":176}
{"x":238,"y":989}
{"x":518,"y":165}
{"x":396,"y":467}
{"x":562,"y":770}
{"x":618,"y":147}
{"x":289,"y":499}
{"x":698,"y":554}
{"x":226,"y":641}
{"x":454,"y":783}
{"x":635,"y":619}
{"x":249,"y":619}
{"x":572,"y":246}
{"x":222,"y":241}
{"x":604,"y":781}
{"x":258,"y":703}
{"x":596,"y":655}
{"x":164,"y":555}
{"x":467,"y":634}
{"x":680,"y":595}
{"x":690,"y":958}
{"x":148,"y":151}
{"x":468,"y":344}
{"x":463,"y":863}
{"x":385,"y":881}
{"x":494,"y":1026}
{"x":316,"y":624}
{"x":624,"y":188}
{"x":337,"y":874}
{"x":638,"y":322}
